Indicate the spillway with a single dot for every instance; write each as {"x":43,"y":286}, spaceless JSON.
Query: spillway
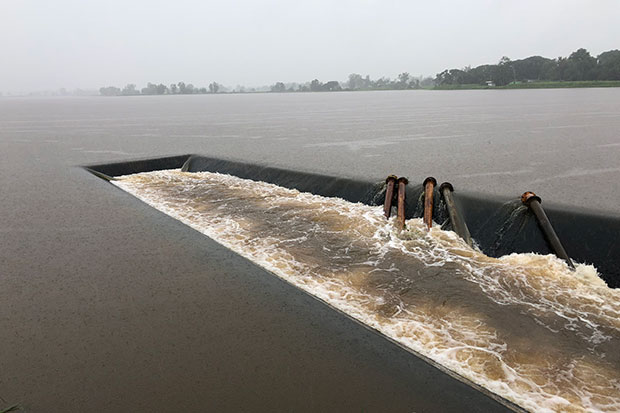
{"x":523,"y":326}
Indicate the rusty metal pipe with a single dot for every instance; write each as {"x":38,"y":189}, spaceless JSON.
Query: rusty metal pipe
{"x":402,"y":185}
{"x":534,"y":203}
{"x":429,"y":187}
{"x":456,"y":220}
{"x":389,"y":195}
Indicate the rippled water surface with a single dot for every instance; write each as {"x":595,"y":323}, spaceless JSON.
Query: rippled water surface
{"x":524,"y":326}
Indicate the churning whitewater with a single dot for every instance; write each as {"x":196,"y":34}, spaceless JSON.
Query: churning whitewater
{"x":524,"y":326}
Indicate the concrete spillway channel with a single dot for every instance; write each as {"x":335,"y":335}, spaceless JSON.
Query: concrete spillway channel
{"x":587,"y":236}
{"x":497,"y":226}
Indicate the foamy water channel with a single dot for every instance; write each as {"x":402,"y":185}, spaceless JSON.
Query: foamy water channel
{"x":523,"y":326}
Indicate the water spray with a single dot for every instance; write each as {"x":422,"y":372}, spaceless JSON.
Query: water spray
{"x":402,"y":184}
{"x":534,"y":203}
{"x":456,"y":220}
{"x":389,"y":194}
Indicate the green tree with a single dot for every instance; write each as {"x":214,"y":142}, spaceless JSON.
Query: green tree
{"x":562,"y":68}
{"x":153,"y":89}
{"x":580,"y":66}
{"x":332,"y":86}
{"x":503,"y":73}
{"x":451,"y":77}
{"x":355,"y":82}
{"x":316,"y":86}
{"x":279,"y":87}
{"x":129,"y":90}
{"x":403,"y":81}
{"x":414,"y":84}
{"x":150,"y":89}
{"x":531,"y":68}
{"x":608,"y":65}
{"x":382,"y":83}
{"x":109,"y":91}
{"x":427,"y":82}
{"x":549,"y":71}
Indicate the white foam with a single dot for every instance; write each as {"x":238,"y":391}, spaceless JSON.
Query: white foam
{"x":541,"y":286}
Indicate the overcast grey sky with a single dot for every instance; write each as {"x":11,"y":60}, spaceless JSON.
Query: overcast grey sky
{"x":87,"y":44}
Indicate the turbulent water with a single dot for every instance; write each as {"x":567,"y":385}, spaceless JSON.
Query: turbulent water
{"x":523,"y":326}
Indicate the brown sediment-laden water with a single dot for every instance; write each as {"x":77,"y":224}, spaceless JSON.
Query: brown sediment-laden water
{"x":524,"y":326}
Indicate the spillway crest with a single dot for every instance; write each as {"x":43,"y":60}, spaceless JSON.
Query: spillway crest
{"x":524,"y":326}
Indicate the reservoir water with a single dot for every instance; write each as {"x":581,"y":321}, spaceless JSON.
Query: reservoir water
{"x":523,"y":326}
{"x":562,"y":144}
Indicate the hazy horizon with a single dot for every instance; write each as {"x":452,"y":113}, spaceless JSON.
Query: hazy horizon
{"x":71,"y":44}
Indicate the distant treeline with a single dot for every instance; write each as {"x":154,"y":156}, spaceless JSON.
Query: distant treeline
{"x":579,"y":66}
{"x":355,"y":82}
{"x":159,"y":89}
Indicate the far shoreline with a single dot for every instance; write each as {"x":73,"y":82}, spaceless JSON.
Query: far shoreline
{"x":584,"y":84}
{"x":536,"y":85}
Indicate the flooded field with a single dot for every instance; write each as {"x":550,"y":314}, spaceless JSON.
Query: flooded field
{"x":523,"y":326}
